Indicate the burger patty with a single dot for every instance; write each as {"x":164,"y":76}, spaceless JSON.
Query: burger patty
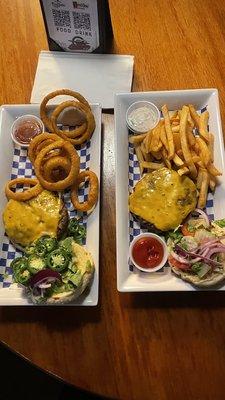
{"x":26,"y":221}
{"x":163,"y":198}
{"x":63,"y":220}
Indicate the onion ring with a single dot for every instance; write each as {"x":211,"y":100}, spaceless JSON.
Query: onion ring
{"x":47,"y":121}
{"x":43,"y":144}
{"x":26,"y":194}
{"x":74,"y":168}
{"x":56,"y":168}
{"x":32,"y":150}
{"x":93,"y":191}
{"x":90,"y":122}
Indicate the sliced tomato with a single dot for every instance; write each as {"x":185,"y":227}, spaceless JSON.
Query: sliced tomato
{"x":185,"y":230}
{"x":178,"y":264}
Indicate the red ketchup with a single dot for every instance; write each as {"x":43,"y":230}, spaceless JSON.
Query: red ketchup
{"x":26,"y":130}
{"x":147,"y":252}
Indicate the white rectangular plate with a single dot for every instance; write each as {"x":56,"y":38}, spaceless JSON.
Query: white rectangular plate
{"x":90,"y":157}
{"x":137,"y":281}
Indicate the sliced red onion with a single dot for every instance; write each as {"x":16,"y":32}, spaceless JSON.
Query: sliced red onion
{"x":181,"y":251}
{"x":199,"y":257}
{"x":208,"y":244}
{"x":217,"y":249}
{"x":45,"y":285}
{"x":45,"y":276}
{"x":205,"y":253}
{"x":179,"y":258}
{"x":195,"y":260}
{"x":204,"y":215}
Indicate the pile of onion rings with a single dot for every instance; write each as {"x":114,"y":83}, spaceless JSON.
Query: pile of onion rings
{"x":55,"y":160}
{"x":73,"y":164}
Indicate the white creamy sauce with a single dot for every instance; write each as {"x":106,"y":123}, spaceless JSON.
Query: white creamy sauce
{"x":142,"y":119}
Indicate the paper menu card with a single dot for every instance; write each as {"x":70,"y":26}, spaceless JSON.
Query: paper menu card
{"x":96,"y":76}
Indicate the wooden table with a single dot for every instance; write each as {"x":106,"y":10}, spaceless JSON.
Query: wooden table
{"x":132,"y":346}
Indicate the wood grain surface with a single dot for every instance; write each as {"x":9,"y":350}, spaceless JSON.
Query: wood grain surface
{"x":131,"y":346}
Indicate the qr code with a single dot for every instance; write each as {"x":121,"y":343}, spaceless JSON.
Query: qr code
{"x":81,"y":21}
{"x":61,"y":18}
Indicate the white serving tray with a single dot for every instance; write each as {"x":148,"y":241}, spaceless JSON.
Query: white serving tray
{"x":137,"y":281}
{"x":13,"y":295}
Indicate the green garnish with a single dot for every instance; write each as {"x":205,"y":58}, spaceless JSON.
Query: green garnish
{"x":66,"y":245}
{"x":76,"y":279}
{"x":200,"y":269}
{"x":196,"y":267}
{"x":76,"y":230}
{"x":176,"y":236}
{"x":58,"y":260}
{"x":35,"y":263}
{"x":220,"y":223}
{"x":191,"y":228}
{"x":20,"y":270}
{"x":45,"y":245}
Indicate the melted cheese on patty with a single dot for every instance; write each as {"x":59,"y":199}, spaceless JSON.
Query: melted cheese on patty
{"x":26,"y":221}
{"x":163,"y":198}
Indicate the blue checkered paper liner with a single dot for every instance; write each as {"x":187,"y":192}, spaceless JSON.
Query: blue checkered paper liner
{"x":133,"y":177}
{"x":22,"y":167}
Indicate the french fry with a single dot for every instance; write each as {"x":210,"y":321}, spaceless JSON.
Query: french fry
{"x":199,"y":179}
{"x":152,"y":165}
{"x":190,"y":136}
{"x":183,"y":171}
{"x":165,"y":158}
{"x":169,"y":132}
{"x":157,"y":155}
{"x":203,"y":123}
{"x":191,"y":123}
{"x":139,"y":157}
{"x":204,"y":189}
{"x":156,"y":143}
{"x":194,"y":115}
{"x":143,"y":149}
{"x":175,"y":128}
{"x":213,"y":170}
{"x":175,"y":122}
{"x":147,"y":141}
{"x":195,"y":159}
{"x":212,"y":182}
{"x":203,"y":151}
{"x":196,"y":148}
{"x":211,"y":146}
{"x":147,"y":156}
{"x":200,"y":164}
{"x":180,"y":153}
{"x":184,"y":142}
{"x":178,"y":161}
{"x":173,"y":114}
{"x":164,"y":138}
{"x":176,"y":139}
{"x":137,"y":138}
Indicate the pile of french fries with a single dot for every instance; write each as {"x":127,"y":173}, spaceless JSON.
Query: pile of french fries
{"x":180,"y":141}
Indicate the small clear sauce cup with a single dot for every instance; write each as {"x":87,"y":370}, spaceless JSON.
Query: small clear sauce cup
{"x":142,"y":116}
